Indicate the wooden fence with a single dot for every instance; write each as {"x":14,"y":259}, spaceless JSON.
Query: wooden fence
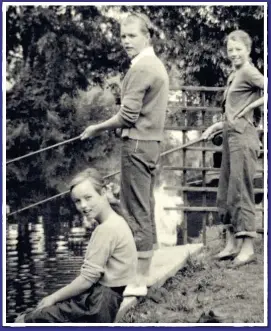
{"x":205,"y":109}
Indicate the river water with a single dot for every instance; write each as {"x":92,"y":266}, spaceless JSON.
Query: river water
{"x":41,"y":257}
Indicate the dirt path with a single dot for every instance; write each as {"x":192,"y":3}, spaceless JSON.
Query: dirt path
{"x":234,"y":295}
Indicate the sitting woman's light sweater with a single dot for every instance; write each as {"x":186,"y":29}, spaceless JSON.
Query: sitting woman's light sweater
{"x":111,"y":256}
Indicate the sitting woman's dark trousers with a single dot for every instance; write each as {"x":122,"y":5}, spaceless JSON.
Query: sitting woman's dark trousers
{"x":235,"y":198}
{"x":98,"y":305}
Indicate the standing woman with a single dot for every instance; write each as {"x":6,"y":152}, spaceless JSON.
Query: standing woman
{"x":109,"y":265}
{"x":235,"y":198}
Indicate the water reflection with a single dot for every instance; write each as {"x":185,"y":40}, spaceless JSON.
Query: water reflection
{"x":41,"y":257}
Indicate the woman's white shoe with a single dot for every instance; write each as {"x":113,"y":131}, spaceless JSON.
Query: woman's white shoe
{"x":135,"y":291}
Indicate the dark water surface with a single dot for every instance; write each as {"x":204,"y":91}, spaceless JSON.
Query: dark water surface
{"x":41,"y":257}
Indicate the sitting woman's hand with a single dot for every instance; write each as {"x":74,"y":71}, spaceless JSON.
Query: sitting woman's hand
{"x":46,"y":302}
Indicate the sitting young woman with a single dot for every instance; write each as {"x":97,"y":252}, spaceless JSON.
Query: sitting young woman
{"x":109,"y":265}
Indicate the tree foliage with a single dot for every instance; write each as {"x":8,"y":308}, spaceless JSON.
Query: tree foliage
{"x":192,"y":38}
{"x":60,"y":58}
{"x":65,"y":50}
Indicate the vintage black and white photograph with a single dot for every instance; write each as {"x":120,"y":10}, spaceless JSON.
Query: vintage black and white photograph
{"x":134,"y":164}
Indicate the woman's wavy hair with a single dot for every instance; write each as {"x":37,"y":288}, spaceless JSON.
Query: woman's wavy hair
{"x":240,"y":35}
{"x":90,"y":174}
{"x":98,"y":183}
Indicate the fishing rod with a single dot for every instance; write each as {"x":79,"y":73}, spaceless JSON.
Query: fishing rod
{"x":42,"y":150}
{"x":172,"y":150}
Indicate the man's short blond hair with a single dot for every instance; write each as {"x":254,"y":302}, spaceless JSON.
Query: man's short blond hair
{"x":146,"y":24}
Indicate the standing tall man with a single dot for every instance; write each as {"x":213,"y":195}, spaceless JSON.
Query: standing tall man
{"x":141,"y":117}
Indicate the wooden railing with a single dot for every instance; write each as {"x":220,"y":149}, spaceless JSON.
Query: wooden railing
{"x":205,"y":112}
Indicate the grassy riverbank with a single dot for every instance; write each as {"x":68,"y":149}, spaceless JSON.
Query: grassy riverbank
{"x":235,"y":295}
